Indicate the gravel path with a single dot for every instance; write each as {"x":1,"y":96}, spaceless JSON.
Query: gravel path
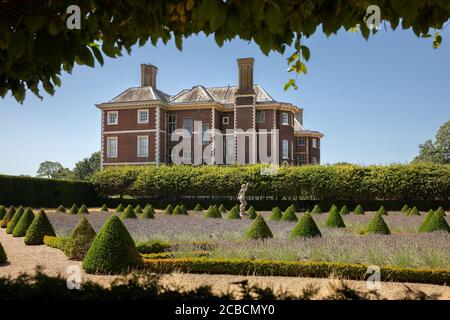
{"x":25,"y":259}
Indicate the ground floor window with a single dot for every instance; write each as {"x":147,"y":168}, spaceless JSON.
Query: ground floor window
{"x":142,"y":146}
{"x":285,"y":149}
{"x":111,"y":147}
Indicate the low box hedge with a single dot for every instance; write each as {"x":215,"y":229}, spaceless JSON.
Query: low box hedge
{"x":55,"y":242}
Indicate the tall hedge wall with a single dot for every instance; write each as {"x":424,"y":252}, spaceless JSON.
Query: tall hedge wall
{"x":422,"y":182}
{"x":37,"y":192}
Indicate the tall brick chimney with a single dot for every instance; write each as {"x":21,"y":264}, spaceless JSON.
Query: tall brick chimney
{"x":148,"y":75}
{"x":245,"y":66}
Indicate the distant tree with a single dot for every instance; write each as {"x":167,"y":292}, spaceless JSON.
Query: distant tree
{"x":439,"y":151}
{"x":48,"y":169}
{"x":85,"y":168}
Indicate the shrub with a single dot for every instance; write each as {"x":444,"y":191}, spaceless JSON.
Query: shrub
{"x":83,"y":210}
{"x":441,"y":211}
{"x":359,"y":209}
{"x":184,"y":210}
{"x":437,"y":222}
{"x":80,"y":240}
{"x":222,"y":209}
{"x":177,"y":211}
{"x":153,"y":246}
{"x":120,"y":208}
{"x":61,"y":208}
{"x":382,"y":211}
{"x":74,"y":209}
{"x":252,"y":213}
{"x":233,"y":214}
{"x":104,"y":208}
{"x":8,"y":216}
{"x":212,"y":212}
{"x":3,"y":257}
{"x":306,"y":227}
{"x":24,"y":223}
{"x":333,"y":210}
{"x":426,"y":220}
{"x":259,"y":229}
{"x":13,"y":222}
{"x":128,"y":213}
{"x":405,"y":208}
{"x":138,"y":209}
{"x":378,"y":225}
{"x":316,"y":209}
{"x":289,"y":215}
{"x":149,"y":213}
{"x":169,"y":209}
{"x":276,"y":214}
{"x":334,"y":220}
{"x":198,"y":207}
{"x":333,"y":207}
{"x":2,"y":212}
{"x":39,"y":228}
{"x":112,"y":251}
{"x":414,"y":212}
{"x":55,"y":242}
{"x":344,"y":210}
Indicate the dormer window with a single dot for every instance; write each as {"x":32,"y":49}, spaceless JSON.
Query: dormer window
{"x":225,"y":120}
{"x":143,"y":116}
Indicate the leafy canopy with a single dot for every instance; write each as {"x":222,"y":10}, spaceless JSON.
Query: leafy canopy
{"x":437,"y":151}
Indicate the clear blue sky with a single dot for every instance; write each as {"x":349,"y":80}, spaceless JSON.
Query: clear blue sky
{"x":375,"y":101}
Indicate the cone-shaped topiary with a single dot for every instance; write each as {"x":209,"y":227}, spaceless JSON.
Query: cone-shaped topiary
{"x":120,"y":208}
{"x":259,"y":229}
{"x":128,"y":213}
{"x":441,"y":211}
{"x":149,"y":213}
{"x":233,"y":214}
{"x":222,"y":209}
{"x":83,"y":210}
{"x":276,"y":214}
{"x":306,"y":227}
{"x":2,"y":212}
{"x":426,"y":220}
{"x":39,"y":228}
{"x":104,"y":208}
{"x":437,"y":222}
{"x":80,"y":240}
{"x":333,"y":207}
{"x":13,"y":222}
{"x":333,"y":210}
{"x":61,"y":208}
{"x":74,"y":209}
{"x":184,"y":210}
{"x":8,"y":216}
{"x":112,"y":251}
{"x":405,"y":208}
{"x":24,"y":223}
{"x":198,"y":207}
{"x":3,"y":257}
{"x":177,"y":211}
{"x":344,"y":210}
{"x":359,"y":209}
{"x":289,"y":215}
{"x":378,"y":225}
{"x":316,"y":209}
{"x":212,"y":212}
{"x":169,"y":209}
{"x":138,"y":209}
{"x":252,"y":213}
{"x":414,"y":212}
{"x":334,"y":220}
{"x":382,"y":211}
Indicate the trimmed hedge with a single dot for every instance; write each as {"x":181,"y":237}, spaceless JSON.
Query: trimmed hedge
{"x":104,"y":208}
{"x":259,"y":229}
{"x":74,"y":209}
{"x":378,"y":225}
{"x":306,"y":227}
{"x":15,"y":219}
{"x":234,"y":214}
{"x":138,"y":209}
{"x":2,"y":212}
{"x":61,"y":208}
{"x":83,"y":210}
{"x":289,"y":215}
{"x":252,"y":213}
{"x":23,"y":224}
{"x":149,"y":212}
{"x":80,"y":240}
{"x":55,"y":242}
{"x":334,"y":220}
{"x":212,"y":213}
{"x":3,"y":257}
{"x":128,"y":213}
{"x":276,"y":214}
{"x":40,"y":227}
{"x":8,"y":216}
{"x":359,"y":209}
{"x":295,"y":269}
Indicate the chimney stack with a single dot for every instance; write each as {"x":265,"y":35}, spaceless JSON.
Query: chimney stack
{"x":148,"y":75}
{"x":245,"y":66}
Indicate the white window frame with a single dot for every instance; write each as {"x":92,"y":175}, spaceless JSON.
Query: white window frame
{"x":314,"y":142}
{"x":139,"y":116}
{"x":263,"y":112}
{"x":108,"y":119}
{"x":285,"y":149}
{"x":225,"y":120}
{"x":108,"y":149}
{"x":139,"y":147}
{"x":169,"y":123}
{"x":301,"y":139}
{"x":283,"y":115}
{"x":205,"y":134}
{"x":192,"y":124}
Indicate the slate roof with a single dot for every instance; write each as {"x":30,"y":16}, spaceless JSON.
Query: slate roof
{"x":141,"y":94}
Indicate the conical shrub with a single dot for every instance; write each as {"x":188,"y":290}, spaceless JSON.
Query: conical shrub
{"x":74,"y":209}
{"x":333,"y":207}
{"x":80,"y":240}
{"x":23,"y":224}
{"x":222,"y":209}
{"x":437,"y":222}
{"x":61,"y":209}
{"x":414,"y":212}
{"x":378,"y":225}
{"x":184,"y":210}
{"x":138,"y":209}
{"x":212,"y":212}
{"x":128,"y":213}
{"x":252,"y":213}
{"x":233,"y":214}
{"x":112,"y":251}
{"x":316,"y":209}
{"x":2,"y":212}
{"x":382,"y":211}
{"x":104,"y":208}
{"x":3,"y":257}
{"x":198,"y":207}
{"x":441,"y":211}
{"x":177,"y":211}
{"x":276,"y":214}
{"x":83,"y":210}
{"x":259,"y":229}
{"x":169,"y":209}
{"x":359,"y":209}
{"x":149,"y":213}
{"x":306,"y":227}
{"x":344,"y":210}
{"x":289,"y":215}
{"x":334,"y":220}
{"x":14,"y":220}
{"x":424,"y":224}
{"x":405,"y":208}
{"x":39,"y":228}
{"x":8,"y":216}
{"x":120,"y":208}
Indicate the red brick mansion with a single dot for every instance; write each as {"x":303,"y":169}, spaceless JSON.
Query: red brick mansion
{"x":142,"y":125}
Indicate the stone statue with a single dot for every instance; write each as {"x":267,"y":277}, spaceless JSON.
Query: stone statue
{"x":241,"y":198}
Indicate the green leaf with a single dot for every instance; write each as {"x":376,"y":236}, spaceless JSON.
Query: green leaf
{"x":98,"y":55}
{"x":437,"y":41}
{"x":305,"y":52}
{"x":34,"y":23}
{"x":85,"y":57}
